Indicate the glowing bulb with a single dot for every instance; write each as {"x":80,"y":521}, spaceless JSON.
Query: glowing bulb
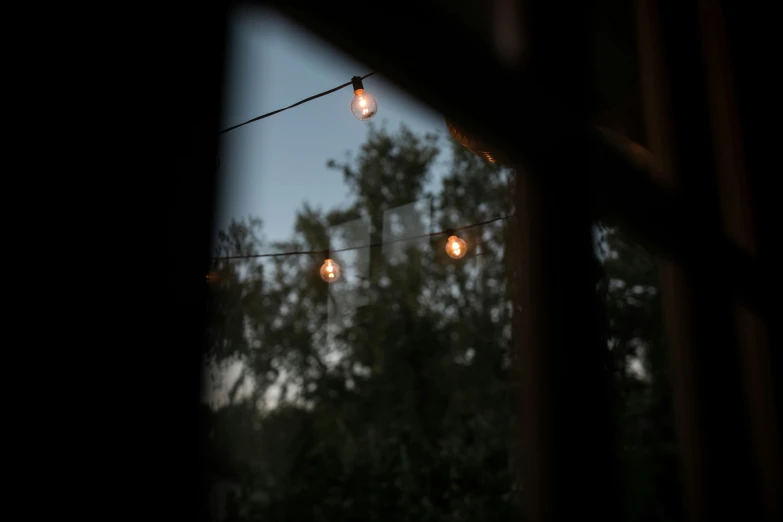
{"x":455,"y":247}
{"x":330,"y":271}
{"x":363,"y":106}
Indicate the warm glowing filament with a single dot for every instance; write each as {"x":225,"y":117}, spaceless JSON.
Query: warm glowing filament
{"x":330,"y":271}
{"x":363,"y":105}
{"x":456,"y":247}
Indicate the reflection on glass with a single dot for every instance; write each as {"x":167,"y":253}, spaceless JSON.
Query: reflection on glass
{"x":644,"y":422}
{"x":348,"y":241}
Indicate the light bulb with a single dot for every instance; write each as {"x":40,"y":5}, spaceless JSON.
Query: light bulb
{"x":363,"y":106}
{"x":455,"y":247}
{"x":330,"y":271}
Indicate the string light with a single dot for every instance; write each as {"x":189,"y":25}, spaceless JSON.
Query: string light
{"x":326,"y":252}
{"x":330,"y":91}
{"x":456,"y":254}
{"x":330,"y":271}
{"x":364,"y":105}
{"x":456,"y":247}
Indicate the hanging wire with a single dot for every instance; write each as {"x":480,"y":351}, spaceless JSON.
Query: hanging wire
{"x":330,"y":91}
{"x":327,"y":252}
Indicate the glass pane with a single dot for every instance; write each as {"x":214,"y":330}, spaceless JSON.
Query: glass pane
{"x":384,"y":392}
{"x":645,"y":442}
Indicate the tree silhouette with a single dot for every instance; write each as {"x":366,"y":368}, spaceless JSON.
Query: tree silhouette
{"x":388,"y":395}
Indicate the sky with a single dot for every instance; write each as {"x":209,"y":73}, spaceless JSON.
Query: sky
{"x":271,"y":167}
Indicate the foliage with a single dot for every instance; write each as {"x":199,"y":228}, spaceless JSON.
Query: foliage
{"x":388,"y":396}
{"x":642,"y":383}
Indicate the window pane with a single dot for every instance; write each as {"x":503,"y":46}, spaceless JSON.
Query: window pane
{"x":645,"y":443}
{"x":385,"y":394}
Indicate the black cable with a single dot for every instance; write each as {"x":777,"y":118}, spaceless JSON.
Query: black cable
{"x":330,"y":91}
{"x":327,"y":252}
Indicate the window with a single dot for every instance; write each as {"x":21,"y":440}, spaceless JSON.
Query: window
{"x":390,"y":392}
{"x":539,"y":374}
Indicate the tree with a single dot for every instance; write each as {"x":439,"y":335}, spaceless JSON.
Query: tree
{"x":646,"y":443}
{"x":393,"y":391}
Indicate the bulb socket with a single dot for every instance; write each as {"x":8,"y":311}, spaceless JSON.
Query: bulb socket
{"x":357,"y":83}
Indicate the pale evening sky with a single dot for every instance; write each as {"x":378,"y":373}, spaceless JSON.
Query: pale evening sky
{"x":271,"y":167}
